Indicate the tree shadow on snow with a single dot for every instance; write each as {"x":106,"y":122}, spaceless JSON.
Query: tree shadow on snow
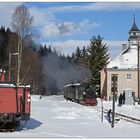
{"x":31,"y":124}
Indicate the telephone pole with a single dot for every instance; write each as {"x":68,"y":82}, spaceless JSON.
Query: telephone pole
{"x":102,"y":110}
{"x":138,"y":73}
{"x":114,"y":77}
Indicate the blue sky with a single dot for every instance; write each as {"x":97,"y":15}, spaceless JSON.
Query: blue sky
{"x":109,"y":20}
{"x":66,"y":25}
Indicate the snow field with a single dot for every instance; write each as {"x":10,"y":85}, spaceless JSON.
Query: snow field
{"x":54,"y":117}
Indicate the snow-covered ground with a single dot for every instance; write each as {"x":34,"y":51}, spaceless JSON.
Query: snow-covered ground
{"x":53,"y":116}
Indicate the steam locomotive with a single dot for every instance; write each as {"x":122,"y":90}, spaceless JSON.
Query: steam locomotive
{"x":14,"y":104}
{"x":78,"y":93}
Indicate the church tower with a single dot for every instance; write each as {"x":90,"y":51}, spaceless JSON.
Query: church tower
{"x":134,"y":34}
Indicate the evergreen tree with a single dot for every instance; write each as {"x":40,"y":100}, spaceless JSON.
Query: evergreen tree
{"x":98,"y":57}
{"x":76,"y":56}
{"x":84,"y":52}
{"x":4,"y":41}
{"x":50,"y":50}
{"x":73,"y":55}
{"x":78,"y":53}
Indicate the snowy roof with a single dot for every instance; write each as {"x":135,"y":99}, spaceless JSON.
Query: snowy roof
{"x":75,"y":84}
{"x":127,"y":59}
{"x":12,"y":85}
{"x":128,"y":89}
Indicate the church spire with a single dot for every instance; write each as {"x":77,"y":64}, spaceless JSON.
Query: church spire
{"x":134,"y":32}
{"x":134,"y":26}
{"x":134,"y":18}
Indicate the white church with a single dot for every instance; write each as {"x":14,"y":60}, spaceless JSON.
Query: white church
{"x":125,"y":66}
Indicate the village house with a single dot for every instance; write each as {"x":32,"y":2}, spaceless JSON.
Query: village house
{"x":125,"y":67}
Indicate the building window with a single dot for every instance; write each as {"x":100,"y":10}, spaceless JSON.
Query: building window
{"x":128,"y":76}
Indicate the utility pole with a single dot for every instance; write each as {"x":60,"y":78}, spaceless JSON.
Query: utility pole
{"x":10,"y":58}
{"x":102,"y":109}
{"x":9,"y":73}
{"x":114,"y":77}
{"x":138,"y":73}
{"x":18,"y":63}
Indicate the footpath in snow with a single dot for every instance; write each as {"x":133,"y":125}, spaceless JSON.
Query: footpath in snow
{"x":54,"y":117}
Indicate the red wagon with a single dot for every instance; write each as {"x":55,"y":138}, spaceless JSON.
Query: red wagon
{"x":14,"y":105}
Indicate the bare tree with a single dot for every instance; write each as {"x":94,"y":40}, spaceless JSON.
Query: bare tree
{"x":21,"y":24}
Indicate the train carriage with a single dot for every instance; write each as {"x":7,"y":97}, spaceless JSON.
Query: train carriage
{"x":78,"y":93}
{"x":72,"y":91}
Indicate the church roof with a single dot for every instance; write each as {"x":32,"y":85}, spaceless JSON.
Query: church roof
{"x":134,"y":27}
{"x":126,"y":60}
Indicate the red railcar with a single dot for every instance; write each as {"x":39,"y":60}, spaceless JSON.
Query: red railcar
{"x":14,"y":105}
{"x":90,"y":102}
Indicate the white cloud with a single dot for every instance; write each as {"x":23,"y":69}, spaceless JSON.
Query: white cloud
{"x":54,"y":29}
{"x":107,"y":6}
{"x":69,"y":46}
{"x":114,"y":47}
{"x":49,"y":26}
{"x":41,"y":16}
{"x":66,"y":28}
{"x":88,"y":24}
{"x":45,"y":17}
{"x":51,"y":30}
{"x":45,"y":21}
{"x":6,"y":10}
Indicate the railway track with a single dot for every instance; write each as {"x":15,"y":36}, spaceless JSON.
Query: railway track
{"x":120,"y":116}
{"x":124,"y":117}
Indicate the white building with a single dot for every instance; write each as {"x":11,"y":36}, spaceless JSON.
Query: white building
{"x":124,"y":66}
